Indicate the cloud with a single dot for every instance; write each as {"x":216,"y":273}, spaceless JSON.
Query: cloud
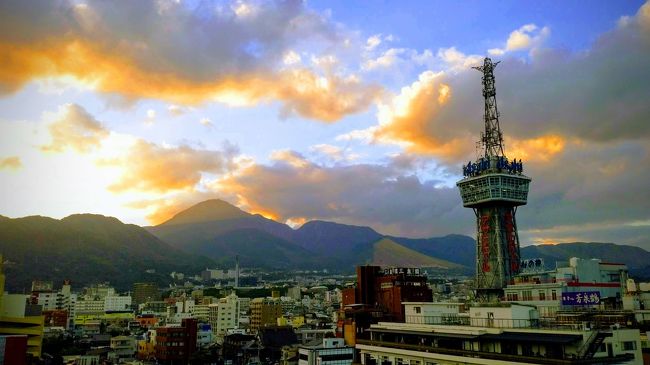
{"x":291,"y":158}
{"x":456,"y":60}
{"x":373,"y":42}
{"x":161,"y":209}
{"x":382,"y":196}
{"x":526,"y":37}
{"x":74,"y":128}
{"x":206,"y":122}
{"x":149,"y":167}
{"x":177,"y":110}
{"x":148,"y":58}
{"x":595,"y":96}
{"x":579,"y":122}
{"x":10,"y":163}
{"x":411,"y":119}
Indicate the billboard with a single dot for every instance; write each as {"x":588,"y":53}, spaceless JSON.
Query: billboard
{"x":581,"y":298}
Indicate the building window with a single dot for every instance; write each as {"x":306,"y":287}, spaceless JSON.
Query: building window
{"x":553,"y":294}
{"x":418,"y":310}
{"x":527,"y":295}
{"x":629,"y":345}
{"x":542,"y":295}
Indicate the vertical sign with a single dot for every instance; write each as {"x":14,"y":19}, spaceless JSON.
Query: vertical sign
{"x":511,"y":241}
{"x":485,"y":242}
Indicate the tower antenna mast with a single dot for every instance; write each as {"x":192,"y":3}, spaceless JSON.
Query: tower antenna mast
{"x":491,"y":138}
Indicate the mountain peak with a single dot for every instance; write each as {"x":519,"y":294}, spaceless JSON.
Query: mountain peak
{"x":206,"y":211}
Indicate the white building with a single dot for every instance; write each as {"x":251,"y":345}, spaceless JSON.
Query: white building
{"x":123,"y":347}
{"x":332,"y":351}
{"x":114,"y":303}
{"x":227,"y":314}
{"x":431,"y":313}
{"x":498,"y":334}
{"x":201,"y":312}
{"x":545,"y":289}
{"x":89,"y":306}
{"x":637,"y":300}
{"x":204,"y":335}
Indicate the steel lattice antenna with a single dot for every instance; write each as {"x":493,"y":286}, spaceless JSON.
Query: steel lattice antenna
{"x":491,"y":139}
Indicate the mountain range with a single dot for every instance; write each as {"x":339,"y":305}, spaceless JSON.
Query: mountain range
{"x":93,"y":248}
{"x":87,"y":248}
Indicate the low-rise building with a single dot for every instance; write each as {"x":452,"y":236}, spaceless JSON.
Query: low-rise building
{"x":331,"y":351}
{"x":499,"y":334}
{"x":564,"y":286}
{"x":123,"y":347}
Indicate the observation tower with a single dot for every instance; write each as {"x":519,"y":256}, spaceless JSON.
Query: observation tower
{"x":494,"y":186}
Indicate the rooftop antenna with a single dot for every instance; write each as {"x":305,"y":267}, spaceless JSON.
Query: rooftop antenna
{"x":491,"y":138}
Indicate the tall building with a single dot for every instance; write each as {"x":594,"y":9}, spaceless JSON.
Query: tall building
{"x":494,"y":187}
{"x":227,"y":314}
{"x":387,"y":289}
{"x":145,"y":292}
{"x":264,"y":312}
{"x":175,"y":345}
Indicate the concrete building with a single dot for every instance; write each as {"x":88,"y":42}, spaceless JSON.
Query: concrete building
{"x":227,"y":314}
{"x":637,"y":300}
{"x":546,"y":288}
{"x":201,"y":312}
{"x":264,"y":312}
{"x":115,"y":303}
{"x":497,"y":334}
{"x":15,"y":319}
{"x":145,"y":292}
{"x":123,"y":347}
{"x":176,"y":344}
{"x":331,"y":351}
{"x":89,"y":306}
{"x":387,"y":289}
{"x":204,"y":335}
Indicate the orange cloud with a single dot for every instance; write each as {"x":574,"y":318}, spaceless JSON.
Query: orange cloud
{"x":537,"y":149}
{"x":303,"y":92}
{"x":410,"y":119}
{"x":11,"y":162}
{"x":74,"y":128}
{"x":161,"y":210}
{"x":152,"y":168}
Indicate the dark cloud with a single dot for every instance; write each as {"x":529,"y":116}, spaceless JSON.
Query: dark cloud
{"x":181,"y":53}
{"x":376,"y":195}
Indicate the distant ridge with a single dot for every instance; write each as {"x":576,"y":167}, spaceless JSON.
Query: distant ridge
{"x":387,"y":252}
{"x":209,"y":210}
{"x":88,"y":248}
{"x":220,"y":231}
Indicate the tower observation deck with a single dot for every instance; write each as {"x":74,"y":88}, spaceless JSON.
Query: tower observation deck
{"x":494,"y":186}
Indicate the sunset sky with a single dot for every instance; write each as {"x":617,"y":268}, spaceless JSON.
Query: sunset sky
{"x":354,"y":112}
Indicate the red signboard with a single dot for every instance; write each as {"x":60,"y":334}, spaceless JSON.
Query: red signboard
{"x":511,"y":241}
{"x":485,"y":242}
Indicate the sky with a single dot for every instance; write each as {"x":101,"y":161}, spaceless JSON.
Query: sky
{"x":354,"y":112}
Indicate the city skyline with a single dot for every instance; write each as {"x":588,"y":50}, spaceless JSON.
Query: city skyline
{"x":325,"y":110}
